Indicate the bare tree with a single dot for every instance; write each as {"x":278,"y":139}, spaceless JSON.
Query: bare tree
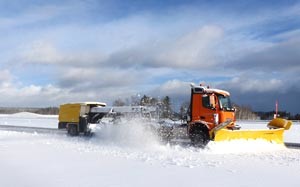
{"x":119,"y":102}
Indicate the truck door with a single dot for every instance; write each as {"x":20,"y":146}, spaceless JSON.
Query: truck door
{"x":208,"y":108}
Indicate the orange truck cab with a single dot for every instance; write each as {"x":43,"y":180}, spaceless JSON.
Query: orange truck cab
{"x":208,"y":109}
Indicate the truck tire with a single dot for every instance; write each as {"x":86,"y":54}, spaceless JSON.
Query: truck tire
{"x":83,"y":122}
{"x":199,"y":138}
{"x":73,"y":130}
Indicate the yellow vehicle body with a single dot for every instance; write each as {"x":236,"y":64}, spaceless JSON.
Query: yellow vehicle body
{"x":77,"y":117}
{"x":274,"y":135}
{"x":71,"y":112}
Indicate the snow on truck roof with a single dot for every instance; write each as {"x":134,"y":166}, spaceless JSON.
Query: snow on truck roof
{"x":86,"y":103}
{"x":223,"y":92}
{"x":205,"y":89}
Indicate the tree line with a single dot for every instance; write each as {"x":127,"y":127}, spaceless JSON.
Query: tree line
{"x":282,"y":114}
{"x":163,"y":105}
{"x":245,"y":113}
{"x":165,"y":108}
{"x":44,"y":111}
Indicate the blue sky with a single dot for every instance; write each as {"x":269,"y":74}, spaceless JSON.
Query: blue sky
{"x":76,"y":50}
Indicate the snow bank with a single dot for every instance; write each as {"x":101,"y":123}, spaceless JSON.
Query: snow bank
{"x":25,"y":115}
{"x":243,"y":146}
{"x":29,"y":119}
{"x":30,"y":115}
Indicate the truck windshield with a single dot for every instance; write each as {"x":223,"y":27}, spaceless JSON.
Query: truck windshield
{"x":225,"y":103}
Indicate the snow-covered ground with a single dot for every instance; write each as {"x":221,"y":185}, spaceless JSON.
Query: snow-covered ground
{"x":29,"y":120}
{"x":129,"y":155}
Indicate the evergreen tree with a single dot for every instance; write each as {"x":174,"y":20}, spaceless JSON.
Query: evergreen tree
{"x":145,"y":101}
{"x":184,"y":109}
{"x":166,"y":107}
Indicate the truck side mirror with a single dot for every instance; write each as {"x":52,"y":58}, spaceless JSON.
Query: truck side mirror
{"x":212,"y":102}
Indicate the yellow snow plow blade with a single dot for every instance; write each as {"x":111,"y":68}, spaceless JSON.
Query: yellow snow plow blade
{"x":280,"y":123}
{"x":274,"y":134}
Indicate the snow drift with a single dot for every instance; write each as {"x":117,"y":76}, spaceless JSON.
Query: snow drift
{"x":131,"y":155}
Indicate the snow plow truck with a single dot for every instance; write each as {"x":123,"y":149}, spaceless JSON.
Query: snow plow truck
{"x":211,"y":116}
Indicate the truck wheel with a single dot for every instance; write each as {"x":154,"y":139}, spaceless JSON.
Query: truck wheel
{"x":199,"y":139}
{"x":88,"y":134}
{"x":72,"y":130}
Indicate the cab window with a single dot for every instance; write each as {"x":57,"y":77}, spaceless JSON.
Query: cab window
{"x":225,"y":103}
{"x":208,"y":101}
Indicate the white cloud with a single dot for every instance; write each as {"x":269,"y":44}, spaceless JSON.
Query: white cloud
{"x":5,"y":76}
{"x":294,"y":10}
{"x":288,"y":36}
{"x":97,"y":78}
{"x":195,"y":49}
{"x":78,"y":74}
{"x":45,"y":52}
{"x":192,"y":49}
{"x":14,"y":93}
{"x":253,"y":85}
{"x":40,"y":52}
{"x":33,"y":14}
{"x":173,"y":88}
{"x":282,"y":57}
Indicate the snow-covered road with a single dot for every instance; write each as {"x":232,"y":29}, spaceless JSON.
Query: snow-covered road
{"x":129,"y":156}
